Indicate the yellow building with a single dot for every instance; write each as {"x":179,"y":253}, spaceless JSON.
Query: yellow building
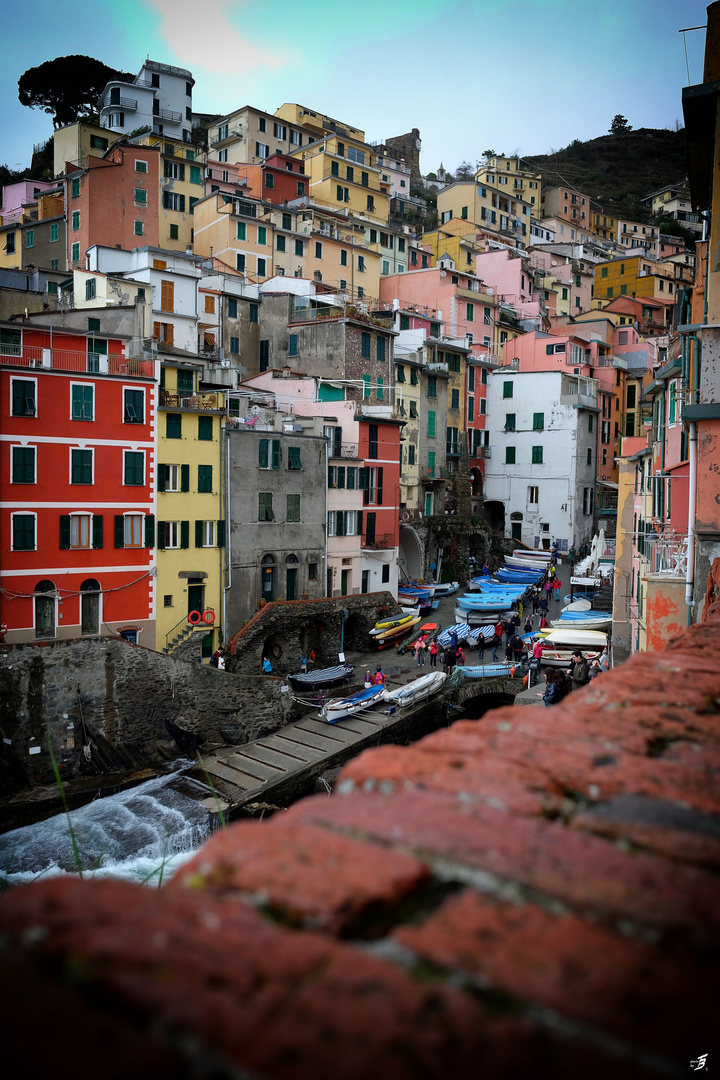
{"x":494,"y":209}
{"x":317,"y":124}
{"x":408,"y":378}
{"x":509,"y":175}
{"x":636,"y":275}
{"x":343,"y":176}
{"x":455,"y":240}
{"x":77,"y":142}
{"x":182,"y":184}
{"x":239,"y":232}
{"x":455,"y":441}
{"x":190,"y":510}
{"x":603,"y":224}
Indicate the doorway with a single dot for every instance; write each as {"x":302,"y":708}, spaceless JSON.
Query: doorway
{"x":45,"y":609}
{"x":267,"y":574}
{"x":90,"y":607}
{"x":196,"y":596}
{"x":516,"y":530}
{"x":365,"y":580}
{"x":291,"y":572}
{"x":344,"y":579}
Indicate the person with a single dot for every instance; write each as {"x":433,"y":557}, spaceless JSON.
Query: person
{"x":510,"y":648}
{"x":528,"y":624}
{"x":534,"y":667}
{"x":518,"y":648}
{"x":604,"y":660}
{"x":543,"y":602}
{"x":557,"y":586}
{"x":595,"y":669}
{"x":580,"y":671}
{"x":509,"y":630}
{"x":215,"y":658}
{"x":553,"y":689}
{"x":481,"y":648}
{"x":486,"y":569}
{"x":444,"y":660}
{"x":548,"y":587}
{"x":495,"y":643}
{"x":460,"y":656}
{"x":221,"y":660}
{"x":515,"y":620}
{"x":433,"y":653}
{"x":543,"y":622}
{"x":419,"y":651}
{"x":572,"y":557}
{"x":303,"y":663}
{"x":450,"y":655}
{"x":266,"y":666}
{"x":499,"y":629}
{"x":552,"y":572}
{"x":368,"y":679}
{"x":379,"y":676}
{"x":320,"y":700}
{"x":453,"y":640}
{"x":535,"y":602}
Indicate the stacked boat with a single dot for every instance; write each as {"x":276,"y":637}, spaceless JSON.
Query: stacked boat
{"x":321,"y":678}
{"x":559,"y":645}
{"x":390,"y":631}
{"x":409,"y":694}
{"x":417,"y":690}
{"x":464,"y":632}
{"x":427,"y":632}
{"x":583,"y":620}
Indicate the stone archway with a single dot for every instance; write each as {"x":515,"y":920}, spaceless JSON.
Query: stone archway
{"x":495,"y":513}
{"x":412,"y":562}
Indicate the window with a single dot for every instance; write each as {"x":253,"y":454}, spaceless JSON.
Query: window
{"x":265,"y":510}
{"x":54,"y":233}
{"x":240,"y":263}
{"x":604,"y":271}
{"x":537,"y":455}
{"x":301,"y":187}
{"x":507,"y":389}
{"x":454,"y":399}
{"x":367,"y":390}
{"x":385,"y":266}
{"x":365,"y":346}
{"x":204,"y":479}
{"x":431,"y":424}
{"x":240,"y":231}
{"x":75,"y":253}
{"x":534,"y":495}
{"x":510,"y":421}
{"x":90,"y":289}
{"x":81,"y":402}
{"x":262,"y":236}
{"x":591,"y":423}
{"x":293,"y":345}
{"x":380,"y":388}
{"x":538,"y":421}
{"x":432,"y":386}
{"x":23,"y":532}
{"x":141,"y":166}
{"x":342,"y":194}
{"x":134,"y":407}
{"x":173,"y":426}
{"x":30,"y":238}
{"x":140,"y":196}
{"x":281,"y":243}
{"x":509,"y":455}
{"x":299,"y":249}
{"x":134,"y":468}
{"x":423,"y":262}
{"x":381,"y":349}
{"x":261,"y":267}
{"x":75,"y":220}
{"x":75,"y":189}
{"x":292,"y":508}
{"x":23,"y":465}
{"x":173,"y":201}
{"x":23,"y":397}
{"x":81,"y":466}
{"x":361,"y":266}
{"x":138,"y":228}
{"x":294,"y":461}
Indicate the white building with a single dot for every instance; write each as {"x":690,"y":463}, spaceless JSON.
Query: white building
{"x":540,"y":477}
{"x":171,"y":279}
{"x":160,"y":98}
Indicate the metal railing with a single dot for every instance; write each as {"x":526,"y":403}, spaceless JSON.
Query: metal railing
{"x":607,"y":505}
{"x":430,"y":473}
{"x":33,"y":356}
{"x":168,"y":114}
{"x":195,"y":402}
{"x":348,"y":451}
{"x":129,"y":104}
{"x":667,"y":554}
{"x":380,"y":542}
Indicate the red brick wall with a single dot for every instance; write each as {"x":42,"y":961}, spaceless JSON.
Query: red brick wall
{"x":532,"y":894}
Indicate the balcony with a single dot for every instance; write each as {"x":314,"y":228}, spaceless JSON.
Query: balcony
{"x":612,"y":361}
{"x":380,"y":542}
{"x":667,"y":554}
{"x":193,"y":402}
{"x":83,"y":362}
{"x":432,"y":473}
{"x":484,"y":451}
{"x":607,"y":505}
{"x":169,"y":115}
{"x":344,"y":452}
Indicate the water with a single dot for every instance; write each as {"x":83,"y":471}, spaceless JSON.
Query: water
{"x":138,"y":835}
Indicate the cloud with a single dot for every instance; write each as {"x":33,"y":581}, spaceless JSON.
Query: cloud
{"x":203,"y":37}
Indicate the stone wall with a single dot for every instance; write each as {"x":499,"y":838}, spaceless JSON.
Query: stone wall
{"x":116,"y":697}
{"x":286,"y":631}
{"x":532,"y":894}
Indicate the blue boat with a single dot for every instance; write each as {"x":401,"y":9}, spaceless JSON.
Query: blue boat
{"x":335,"y":710}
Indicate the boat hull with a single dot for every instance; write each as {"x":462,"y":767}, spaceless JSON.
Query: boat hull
{"x":407,"y":625}
{"x":322,"y":679}
{"x":338,"y":709}
{"x":417,"y":690}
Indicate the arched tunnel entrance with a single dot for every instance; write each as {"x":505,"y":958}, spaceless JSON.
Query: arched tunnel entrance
{"x":474,"y":707}
{"x":410,"y":554}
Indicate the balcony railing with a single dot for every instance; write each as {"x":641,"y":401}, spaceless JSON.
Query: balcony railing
{"x":484,"y":451}
{"x":126,"y":103}
{"x":196,"y":402}
{"x":431,"y":473}
{"x":346,"y":451}
{"x":607,"y":505}
{"x":32,"y":356}
{"x":168,"y":114}
{"x":380,"y":542}
{"x":667,"y":554}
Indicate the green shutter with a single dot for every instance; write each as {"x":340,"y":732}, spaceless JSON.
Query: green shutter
{"x":184,"y":534}
{"x":65,"y":532}
{"x":431,"y":423}
{"x":294,"y":461}
{"x":161,"y":535}
{"x":359,"y":523}
{"x":185,"y":479}
{"x":363,"y":479}
{"x":119,"y":531}
{"x":198,"y":534}
{"x":263,"y":454}
{"x":97,"y":534}
{"x":161,"y":477}
{"x":220,"y":533}
{"x":149,"y":530}
{"x":204,"y":478}
{"x":276,"y":454}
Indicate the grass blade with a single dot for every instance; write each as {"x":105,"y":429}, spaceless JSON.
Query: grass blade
{"x":58,"y":781}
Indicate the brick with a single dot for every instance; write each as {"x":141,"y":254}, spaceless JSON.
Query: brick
{"x":581,"y":870}
{"x":619,"y":986}
{"x":307,"y":875}
{"x":212,"y":976}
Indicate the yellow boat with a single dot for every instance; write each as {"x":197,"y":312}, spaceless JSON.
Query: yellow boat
{"x":391,"y":631}
{"x":390,"y":624}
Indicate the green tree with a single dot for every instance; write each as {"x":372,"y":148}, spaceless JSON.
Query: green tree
{"x":619,"y":125}
{"x":67,"y":87}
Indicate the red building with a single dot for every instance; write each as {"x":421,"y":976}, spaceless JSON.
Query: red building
{"x":77,"y":466}
{"x":379,"y":450}
{"x":283,"y":179}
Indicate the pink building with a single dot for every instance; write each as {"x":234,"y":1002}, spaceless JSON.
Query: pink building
{"x":465,"y":306}
{"x":19,"y":198}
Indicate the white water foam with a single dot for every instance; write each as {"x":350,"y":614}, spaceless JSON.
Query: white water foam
{"x":142,"y":834}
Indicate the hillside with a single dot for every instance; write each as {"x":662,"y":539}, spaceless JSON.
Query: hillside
{"x":618,"y":170}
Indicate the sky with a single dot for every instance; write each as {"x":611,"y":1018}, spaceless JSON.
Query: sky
{"x":514,"y":76}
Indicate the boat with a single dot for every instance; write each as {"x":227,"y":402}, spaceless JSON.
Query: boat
{"x":388,"y":624}
{"x":532,"y":553}
{"x":322,"y":678}
{"x":559,"y":645}
{"x":489,"y":602}
{"x":605,"y":620}
{"x":532,"y":564}
{"x":481,"y":617}
{"x":578,"y":605}
{"x":405,"y":626}
{"x":412,"y":593}
{"x":484,"y":671}
{"x":447,"y":589}
{"x":426,"y":633}
{"x":339,"y":708}
{"x":417,"y":690}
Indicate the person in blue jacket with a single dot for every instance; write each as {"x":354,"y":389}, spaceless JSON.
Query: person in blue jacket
{"x":554,"y":689}
{"x":266,"y":666}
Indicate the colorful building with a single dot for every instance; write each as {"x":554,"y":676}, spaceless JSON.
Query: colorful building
{"x":77,"y":526}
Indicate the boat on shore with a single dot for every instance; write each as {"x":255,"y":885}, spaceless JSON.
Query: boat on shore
{"x":559,"y":645}
{"x":426,"y":633}
{"x":388,"y":624}
{"x":395,"y":631}
{"x":339,"y":708}
{"x":417,"y":690}
{"x":322,"y":678}
{"x":447,"y":589}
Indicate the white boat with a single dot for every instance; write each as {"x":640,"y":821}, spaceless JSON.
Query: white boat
{"x":396,"y":621}
{"x":525,"y":564}
{"x":524,"y":553}
{"x":447,"y":589}
{"x":338,"y":708}
{"x":589,"y":623}
{"x":559,"y":645}
{"x":578,"y":605}
{"x":417,"y":690}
